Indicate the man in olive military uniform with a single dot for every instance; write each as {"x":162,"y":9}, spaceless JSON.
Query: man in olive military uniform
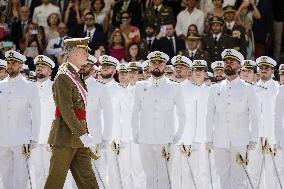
{"x":158,"y":14}
{"x":193,"y":52}
{"x":216,"y":42}
{"x":234,"y":30}
{"x":69,"y":137}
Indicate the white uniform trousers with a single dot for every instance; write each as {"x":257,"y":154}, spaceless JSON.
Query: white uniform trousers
{"x":137,"y":173}
{"x":198,"y":161}
{"x":39,"y":167}
{"x":267,"y":177}
{"x":279,"y":159}
{"x":13,"y":168}
{"x":154,"y":166}
{"x":118,"y":166}
{"x":231,"y":173}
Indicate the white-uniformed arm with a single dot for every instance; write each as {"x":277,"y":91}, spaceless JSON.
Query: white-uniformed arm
{"x":106,"y":106}
{"x":279,"y":115}
{"x":34,"y":103}
{"x":135,"y":118}
{"x":254,"y":112}
{"x":211,"y":109}
{"x":180,"y":109}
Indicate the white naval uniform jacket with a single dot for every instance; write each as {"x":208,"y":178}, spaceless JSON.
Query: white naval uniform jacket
{"x":195,"y":99}
{"x":98,"y":109}
{"x":279,"y":117}
{"x":19,"y":112}
{"x":232,"y":114}
{"x":266,"y":99}
{"x":47,"y":110}
{"x":131,"y":93}
{"x":153,"y":118}
{"x":119,"y":106}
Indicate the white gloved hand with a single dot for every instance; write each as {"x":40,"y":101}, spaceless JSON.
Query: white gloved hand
{"x":87,"y":140}
{"x":209,"y":146}
{"x":251,"y":145}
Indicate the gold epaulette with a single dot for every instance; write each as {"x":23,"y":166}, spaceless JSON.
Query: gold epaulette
{"x":61,"y":70}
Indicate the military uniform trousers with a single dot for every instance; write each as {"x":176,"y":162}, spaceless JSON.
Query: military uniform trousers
{"x":13,"y":168}
{"x":268,"y":176}
{"x":137,"y":174}
{"x":39,"y":167}
{"x":231,"y":173}
{"x":154,"y":165}
{"x":78,"y":161}
{"x":198,"y":160}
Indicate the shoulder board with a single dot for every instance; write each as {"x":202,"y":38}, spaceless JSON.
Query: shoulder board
{"x":174,"y":81}
{"x":31,"y":80}
{"x":248,"y":82}
{"x":260,"y":86}
{"x":121,"y":85}
{"x":61,"y":70}
{"x":100,"y":81}
{"x":196,"y":84}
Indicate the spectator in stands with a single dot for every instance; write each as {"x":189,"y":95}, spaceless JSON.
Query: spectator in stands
{"x":192,"y":29}
{"x":148,"y":41}
{"x":158,"y":14}
{"x":245,"y":15}
{"x":235,"y":30}
{"x":43,"y":11}
{"x":17,"y":31}
{"x":41,"y":37}
{"x":278,"y":15}
{"x":131,"y":33}
{"x":102,"y":16}
{"x":170,"y":43}
{"x":30,"y":32}
{"x":217,"y":11}
{"x":13,"y":12}
{"x":90,"y":30}
{"x":191,"y":15}
{"x":51,"y":31}
{"x":216,"y":42}
{"x":131,"y":6}
{"x":55,"y":46}
{"x":72,"y":18}
{"x":84,"y":4}
{"x":262,"y":28}
{"x":117,"y":45}
{"x":193,"y":52}
{"x":4,"y":30}
{"x":33,"y":49}
{"x":133,"y":53}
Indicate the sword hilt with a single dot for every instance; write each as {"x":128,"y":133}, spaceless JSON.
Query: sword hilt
{"x":115,"y":147}
{"x":241,"y":160}
{"x":186,"y":151}
{"x":26,"y":150}
{"x":166,"y":154}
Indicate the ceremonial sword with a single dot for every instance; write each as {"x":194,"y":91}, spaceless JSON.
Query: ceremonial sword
{"x":187,"y":153}
{"x":243,"y":162}
{"x":116,"y":149}
{"x":167,"y":155}
{"x":26,"y":151}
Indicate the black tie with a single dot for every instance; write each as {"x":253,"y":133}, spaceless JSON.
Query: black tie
{"x":89,"y":35}
{"x":149,"y":44}
{"x":191,"y":56}
{"x":215,"y":41}
{"x":60,"y":42}
{"x":156,"y":11}
{"x":172,"y":43}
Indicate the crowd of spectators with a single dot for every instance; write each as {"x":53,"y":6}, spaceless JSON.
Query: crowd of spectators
{"x":129,"y":29}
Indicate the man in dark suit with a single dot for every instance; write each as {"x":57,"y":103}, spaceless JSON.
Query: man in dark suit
{"x":148,"y":41}
{"x":170,"y":43}
{"x":193,"y":52}
{"x":216,"y":42}
{"x":132,"y":7}
{"x":235,"y":30}
{"x":158,"y":14}
{"x":17,"y":30}
{"x":90,"y":30}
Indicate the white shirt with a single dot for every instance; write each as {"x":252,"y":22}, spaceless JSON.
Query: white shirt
{"x":52,"y":47}
{"x":184,"y":19}
{"x":232,"y":114}
{"x":42,"y":12}
{"x":230,"y":25}
{"x":47,"y":110}
{"x":217,"y":35}
{"x":98,"y":110}
{"x":279,"y":117}
{"x":19,"y":112}
{"x":153,"y":118}
{"x":195,"y":99}
{"x":92,"y":31}
{"x":266,"y":99}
